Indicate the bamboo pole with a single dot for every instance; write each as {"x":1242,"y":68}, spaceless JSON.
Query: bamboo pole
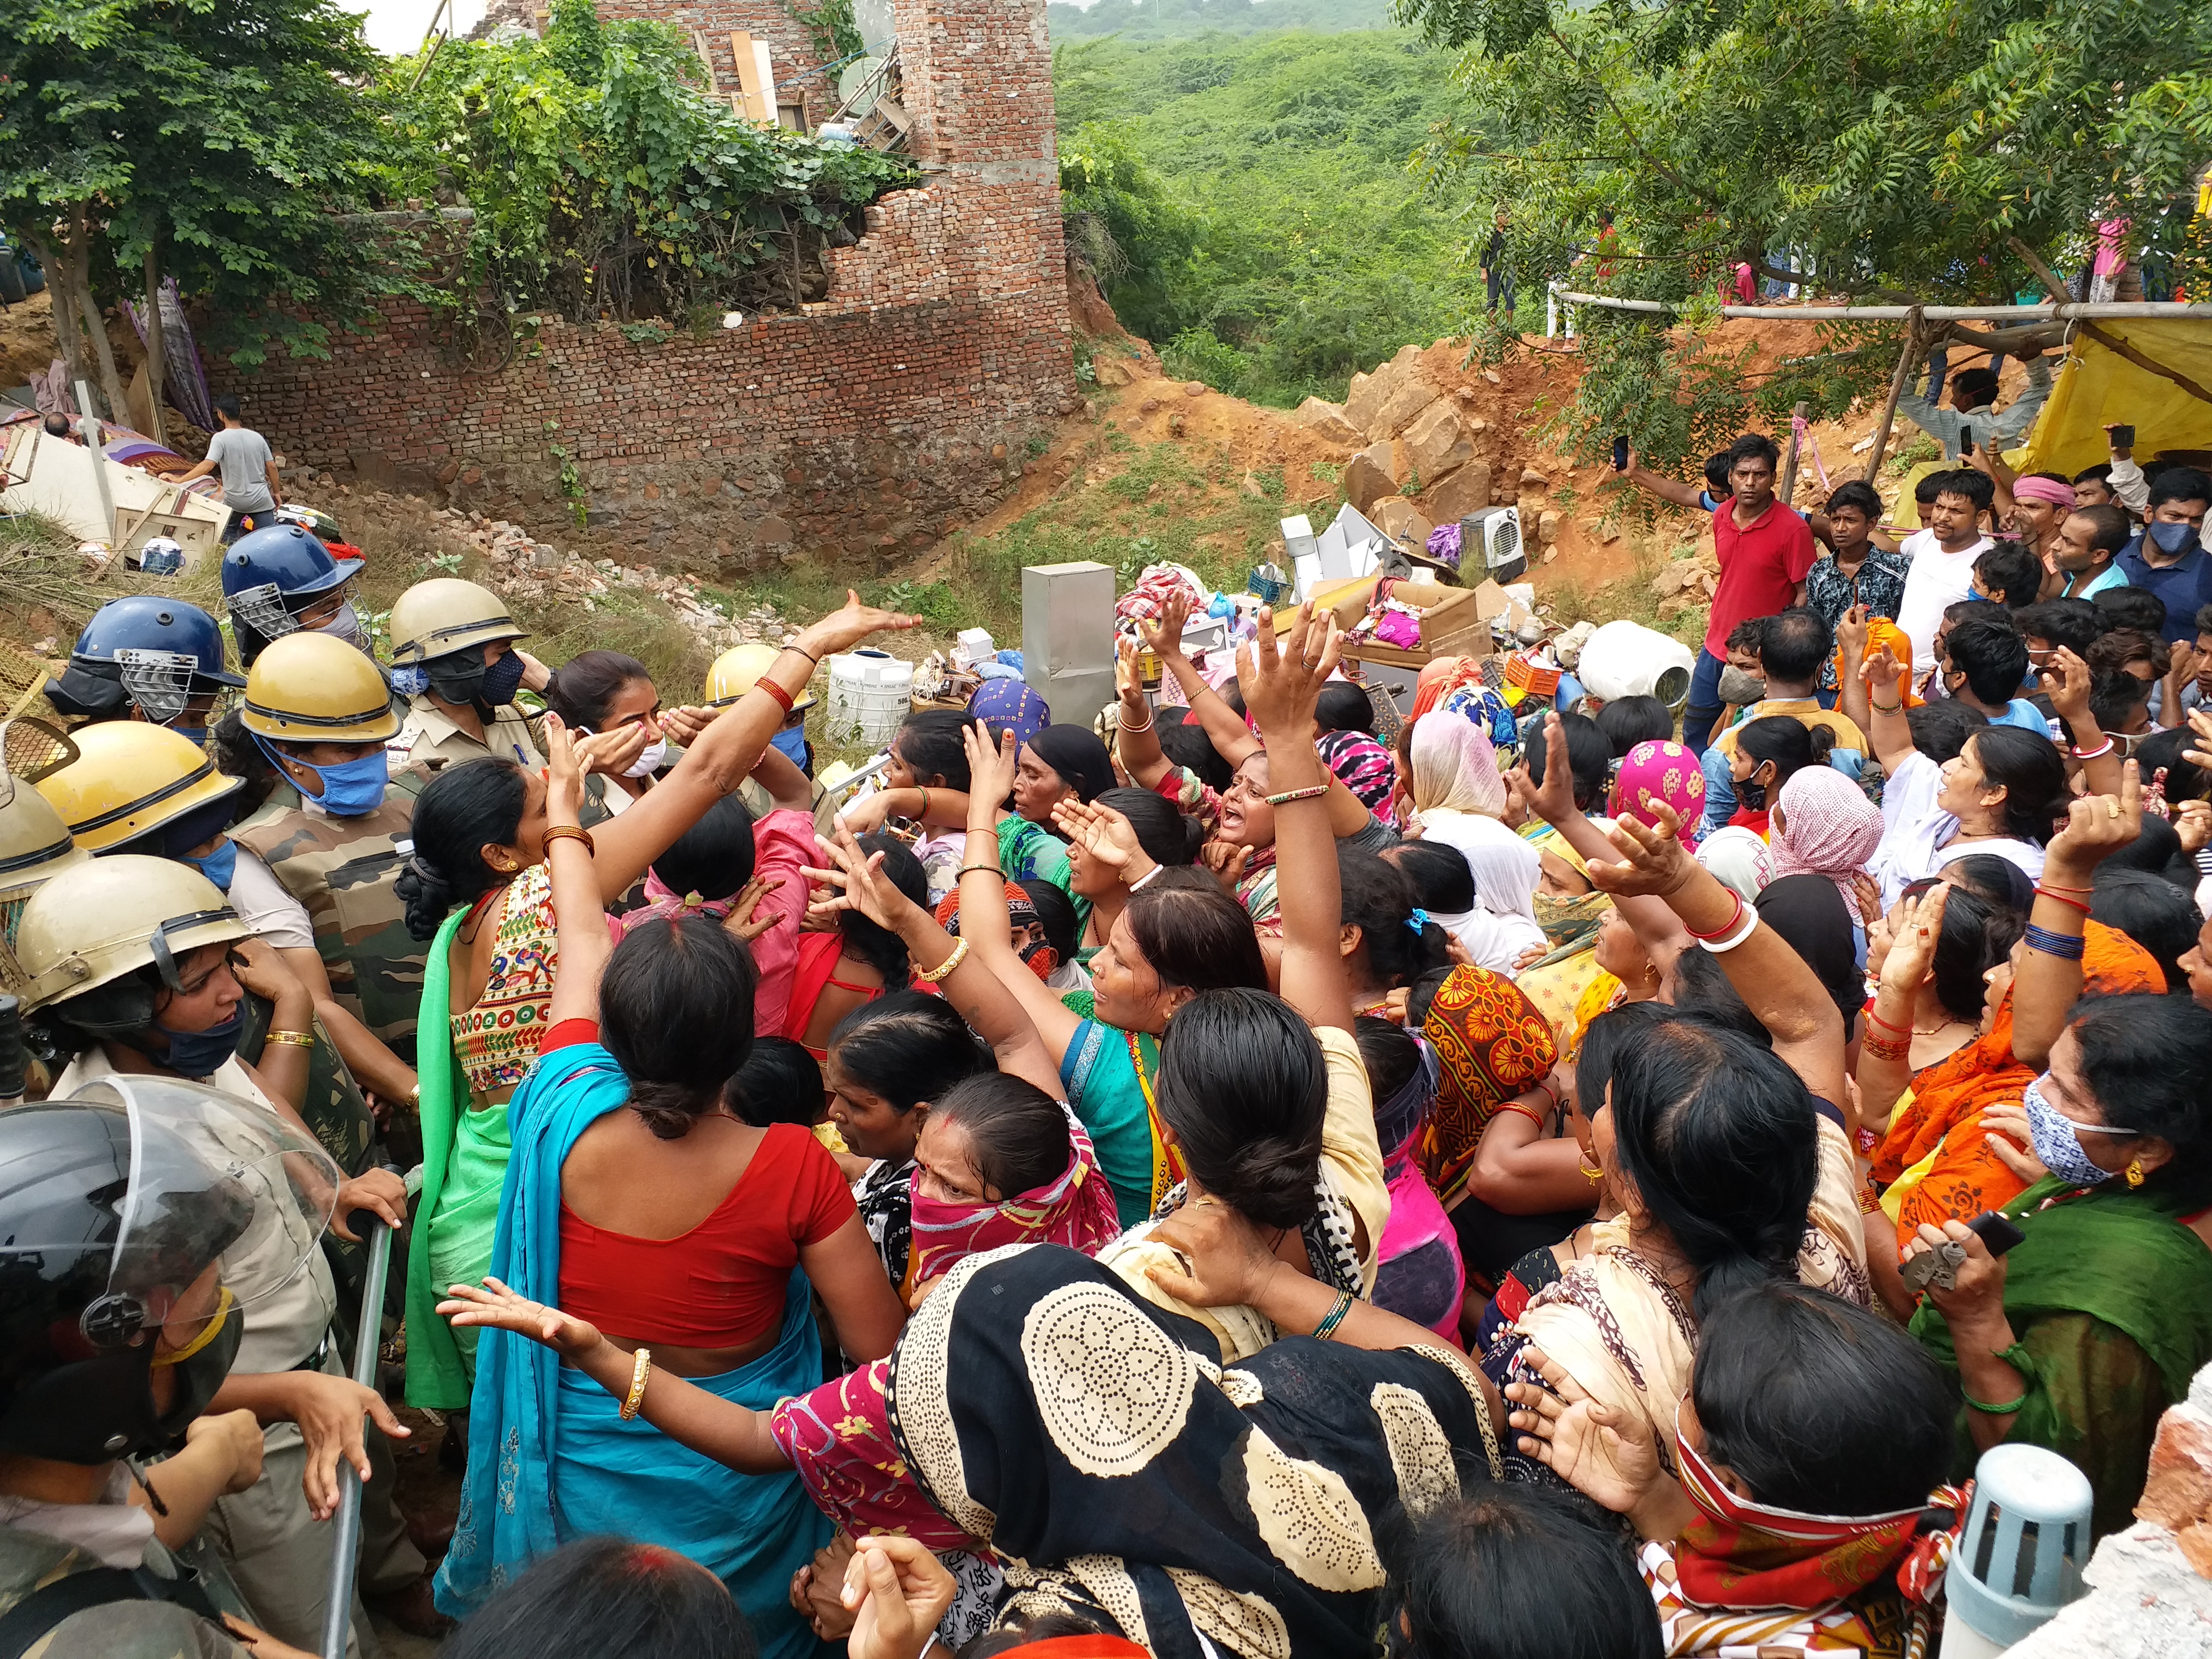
{"x":1906,"y":358}
{"x":157,"y":345}
{"x":1790,"y":461}
{"x":2054,"y":312}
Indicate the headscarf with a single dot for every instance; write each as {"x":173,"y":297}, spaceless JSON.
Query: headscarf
{"x":1570,"y":924}
{"x":1006,"y":706}
{"x":1021,"y":912}
{"x":1492,"y":1042}
{"x":1078,"y":756}
{"x":1829,"y":828}
{"x":1662,"y":771}
{"x":1075,"y":1208}
{"x":1457,"y":685}
{"x":1365,"y":765}
{"x":1806,"y":911}
{"x":1455,"y":769}
{"x":2031,"y":488}
{"x":1739,"y":859}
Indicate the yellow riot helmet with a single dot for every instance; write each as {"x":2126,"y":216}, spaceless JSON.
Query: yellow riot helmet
{"x":735,"y":672}
{"x":315,"y":688}
{"x":34,"y":848}
{"x":130,"y":779}
{"x":444,"y":615}
{"x":97,"y":921}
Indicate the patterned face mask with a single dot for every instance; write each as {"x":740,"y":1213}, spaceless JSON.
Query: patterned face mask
{"x":2057,"y":1139}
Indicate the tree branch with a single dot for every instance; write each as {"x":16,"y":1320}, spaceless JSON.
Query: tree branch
{"x":1598,"y":81}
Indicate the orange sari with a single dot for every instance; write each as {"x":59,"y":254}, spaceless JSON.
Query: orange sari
{"x":1944,"y":1116}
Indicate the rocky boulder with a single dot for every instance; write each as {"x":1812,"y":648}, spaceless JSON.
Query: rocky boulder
{"x":1459,"y":494}
{"x":1438,"y":440}
{"x":1328,"y":420}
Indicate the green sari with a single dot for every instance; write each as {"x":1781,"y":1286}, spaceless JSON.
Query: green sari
{"x":2110,"y":1297}
{"x":462,"y":1170}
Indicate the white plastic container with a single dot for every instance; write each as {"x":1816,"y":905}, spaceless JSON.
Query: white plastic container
{"x":1627,"y":659}
{"x":870,"y":692}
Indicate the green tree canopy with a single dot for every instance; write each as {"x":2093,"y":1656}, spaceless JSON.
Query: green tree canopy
{"x":1905,"y":149}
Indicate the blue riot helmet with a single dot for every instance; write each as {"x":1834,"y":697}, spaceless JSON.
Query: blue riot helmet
{"x":281,"y":580}
{"x":151,"y":653}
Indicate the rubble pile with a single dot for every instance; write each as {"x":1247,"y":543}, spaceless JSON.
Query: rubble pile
{"x":535,"y":572}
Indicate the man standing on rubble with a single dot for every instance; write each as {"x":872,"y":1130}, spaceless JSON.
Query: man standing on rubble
{"x":249,"y":488}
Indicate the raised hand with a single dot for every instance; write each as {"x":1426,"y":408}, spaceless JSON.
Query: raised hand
{"x":2097,"y":826}
{"x":1882,"y":672}
{"x":1554,"y":801}
{"x":991,"y":762}
{"x":1226,"y":861}
{"x":1851,"y":636}
{"x":851,"y":876}
{"x":494,"y":1305}
{"x":1653,"y":859}
{"x":564,"y":762}
{"x":2066,"y":682}
{"x":1163,"y":635}
{"x":1282,"y":680}
{"x":1102,"y":832}
{"x":1579,"y":1439}
{"x":1912,"y":943}
{"x":846,"y":626}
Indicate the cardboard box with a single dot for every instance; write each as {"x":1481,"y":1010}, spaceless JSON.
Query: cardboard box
{"x":1451,"y":621}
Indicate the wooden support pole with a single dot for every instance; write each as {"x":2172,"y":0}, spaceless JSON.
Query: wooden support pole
{"x":1907,"y":357}
{"x":1790,"y":460}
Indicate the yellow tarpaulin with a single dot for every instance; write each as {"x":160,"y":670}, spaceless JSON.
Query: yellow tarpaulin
{"x":2095,"y":384}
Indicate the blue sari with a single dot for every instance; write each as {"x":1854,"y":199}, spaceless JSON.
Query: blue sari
{"x":549,"y":1458}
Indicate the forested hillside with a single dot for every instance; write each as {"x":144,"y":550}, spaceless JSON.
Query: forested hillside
{"x":1153,"y":19}
{"x":1248,"y":204}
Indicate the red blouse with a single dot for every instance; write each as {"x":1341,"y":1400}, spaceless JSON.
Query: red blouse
{"x":722,"y":1284}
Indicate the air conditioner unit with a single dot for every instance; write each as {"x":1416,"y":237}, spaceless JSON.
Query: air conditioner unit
{"x":1490,"y":545}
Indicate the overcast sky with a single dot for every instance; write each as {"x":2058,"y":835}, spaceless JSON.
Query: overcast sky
{"x":396,"y":26}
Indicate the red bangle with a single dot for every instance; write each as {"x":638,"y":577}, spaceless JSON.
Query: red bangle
{"x":783,"y":698}
{"x":1528,"y":1112}
{"x":1902,"y":1030}
{"x":1735,"y":921}
{"x":2060,"y":898}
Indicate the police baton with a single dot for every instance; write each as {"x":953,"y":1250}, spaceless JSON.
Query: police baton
{"x":375,"y":1233}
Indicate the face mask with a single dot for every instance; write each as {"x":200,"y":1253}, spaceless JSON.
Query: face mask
{"x":792,"y":745}
{"x":1751,"y":794}
{"x":220,"y":866}
{"x":197,"y":734}
{"x":1740,"y":688}
{"x":650,"y":759}
{"x":199,"y":1370}
{"x":346,"y":625}
{"x":2057,"y":1140}
{"x":2172,"y":538}
{"x":502,"y":680}
{"x":354,"y":787}
{"x":200,"y":1053}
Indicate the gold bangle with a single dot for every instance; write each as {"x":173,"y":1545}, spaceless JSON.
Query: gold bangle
{"x":640,"y":1368}
{"x":959,"y":955}
{"x":559,"y":831}
{"x":296,"y":1039}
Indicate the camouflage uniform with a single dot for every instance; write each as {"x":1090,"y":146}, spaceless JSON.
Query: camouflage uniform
{"x":344,"y":871}
{"x":430,"y":740}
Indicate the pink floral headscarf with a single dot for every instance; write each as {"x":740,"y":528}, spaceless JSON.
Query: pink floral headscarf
{"x":1661,"y":771}
{"x":1829,"y":828}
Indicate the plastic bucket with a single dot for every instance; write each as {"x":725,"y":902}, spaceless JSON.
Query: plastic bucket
{"x":870,"y":694}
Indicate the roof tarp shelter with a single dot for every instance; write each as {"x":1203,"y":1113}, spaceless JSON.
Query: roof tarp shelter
{"x":2097,"y":384}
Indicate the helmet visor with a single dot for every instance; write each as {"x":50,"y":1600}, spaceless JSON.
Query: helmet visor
{"x":170,"y":1179}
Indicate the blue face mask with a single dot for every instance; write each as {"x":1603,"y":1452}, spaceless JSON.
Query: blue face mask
{"x":197,"y":734}
{"x":792,"y":745}
{"x":200,"y":1053}
{"x":351,"y":788}
{"x":220,"y":866}
{"x":2172,"y":538}
{"x":2057,"y":1140}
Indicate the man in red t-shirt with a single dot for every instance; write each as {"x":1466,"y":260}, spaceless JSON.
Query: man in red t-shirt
{"x":1765,"y":549}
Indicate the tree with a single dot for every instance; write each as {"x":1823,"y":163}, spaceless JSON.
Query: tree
{"x":213,"y":142}
{"x":1933,"y":150}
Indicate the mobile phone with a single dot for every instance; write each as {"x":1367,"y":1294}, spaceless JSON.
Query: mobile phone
{"x":1965,"y":440}
{"x":1997,"y":1233}
{"x":1620,"y":452}
{"x":2124,"y":437}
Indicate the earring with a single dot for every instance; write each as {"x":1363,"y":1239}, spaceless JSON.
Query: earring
{"x":2135,"y":1173}
{"x":506,"y":866}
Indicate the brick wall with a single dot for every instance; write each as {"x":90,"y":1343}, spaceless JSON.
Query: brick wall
{"x":864,"y":426}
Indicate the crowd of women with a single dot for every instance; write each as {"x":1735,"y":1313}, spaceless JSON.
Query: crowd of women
{"x":1235,"y":1175}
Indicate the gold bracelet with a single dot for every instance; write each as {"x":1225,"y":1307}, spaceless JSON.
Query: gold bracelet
{"x":959,"y":955}
{"x":558,"y":831}
{"x":640,"y":1368}
{"x":296,"y":1039}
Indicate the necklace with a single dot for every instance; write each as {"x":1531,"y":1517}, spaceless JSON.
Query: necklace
{"x":1931,"y":1031}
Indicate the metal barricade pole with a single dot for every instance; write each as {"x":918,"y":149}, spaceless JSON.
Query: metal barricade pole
{"x":346,"y":1525}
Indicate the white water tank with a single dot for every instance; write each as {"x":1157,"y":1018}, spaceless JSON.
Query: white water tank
{"x":1627,"y":659}
{"x":870,"y":694}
